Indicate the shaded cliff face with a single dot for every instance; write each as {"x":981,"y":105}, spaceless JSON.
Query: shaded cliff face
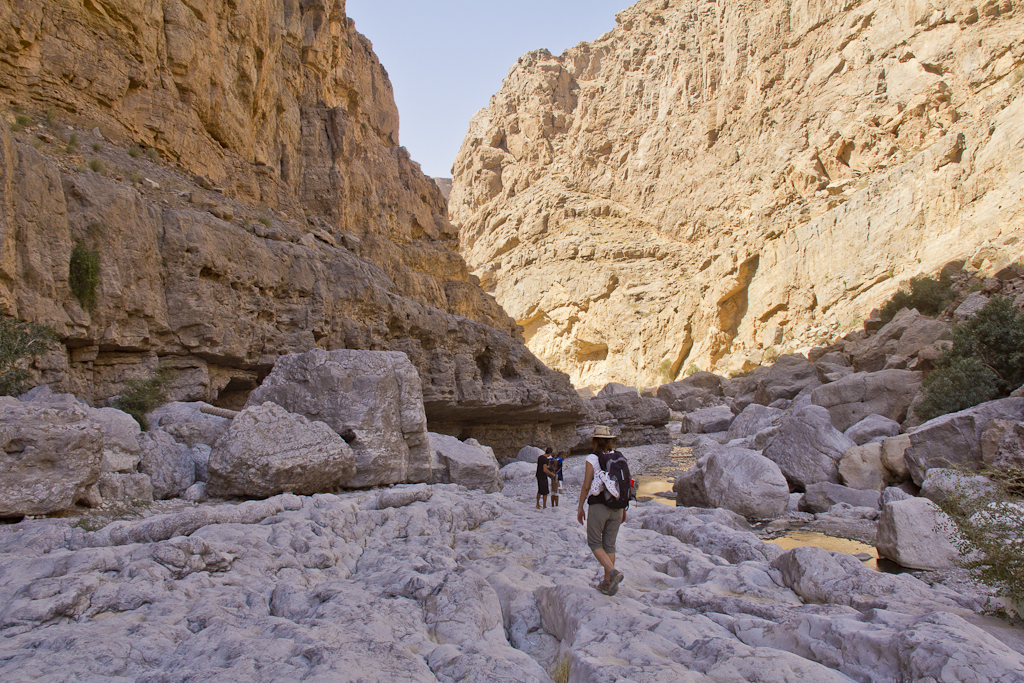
{"x":236,"y":168}
{"x":710,"y":183}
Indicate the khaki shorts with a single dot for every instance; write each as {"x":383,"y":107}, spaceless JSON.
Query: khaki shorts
{"x":603,"y":527}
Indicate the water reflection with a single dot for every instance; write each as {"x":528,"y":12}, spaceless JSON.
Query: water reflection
{"x":659,"y":476}
{"x":647,"y":488}
{"x":799,"y":539}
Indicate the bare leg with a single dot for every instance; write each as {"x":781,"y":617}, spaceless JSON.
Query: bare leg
{"x":607,"y":561}
{"x":545,"y":497}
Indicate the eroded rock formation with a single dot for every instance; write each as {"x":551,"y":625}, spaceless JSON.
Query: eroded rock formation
{"x":709,"y":184}
{"x":235,"y":168}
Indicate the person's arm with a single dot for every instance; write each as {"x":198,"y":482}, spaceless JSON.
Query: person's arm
{"x":588,"y":479}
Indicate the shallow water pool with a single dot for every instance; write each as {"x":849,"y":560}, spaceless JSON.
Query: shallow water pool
{"x":799,"y":539}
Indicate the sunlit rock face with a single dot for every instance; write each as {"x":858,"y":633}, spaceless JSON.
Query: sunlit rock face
{"x":709,"y":183}
{"x":236,"y":169}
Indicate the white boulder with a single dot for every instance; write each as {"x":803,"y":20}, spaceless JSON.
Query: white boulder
{"x":270,"y":451}
{"x":914,"y":533}
{"x":50,"y":456}
{"x":375,"y":394}
{"x":745,"y":482}
{"x":466,"y":463}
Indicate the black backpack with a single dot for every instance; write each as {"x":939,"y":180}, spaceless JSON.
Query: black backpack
{"x":614,"y":463}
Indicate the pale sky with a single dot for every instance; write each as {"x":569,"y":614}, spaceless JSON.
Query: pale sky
{"x":447,"y":57}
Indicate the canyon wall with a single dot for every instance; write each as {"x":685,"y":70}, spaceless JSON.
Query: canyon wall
{"x":235,"y":167}
{"x":711,"y":184}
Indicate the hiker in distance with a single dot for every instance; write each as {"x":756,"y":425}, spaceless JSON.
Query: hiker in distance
{"x":543,"y":476}
{"x":608,"y":483}
{"x":555,"y":465}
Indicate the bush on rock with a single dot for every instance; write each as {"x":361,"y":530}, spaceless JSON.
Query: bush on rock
{"x":18,"y":342}
{"x":927,"y":294}
{"x":985,"y":362}
{"x":990,"y":521}
{"x":143,"y":395}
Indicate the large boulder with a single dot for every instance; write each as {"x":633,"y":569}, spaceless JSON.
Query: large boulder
{"x":270,"y":451}
{"x":614,"y":388}
{"x":1002,"y":444}
{"x":873,"y":427}
{"x":894,"y":459}
{"x":914,"y":533}
{"x":892,"y":494}
{"x":375,"y":394}
{"x":861,"y":468}
{"x":970,"y":307}
{"x":634,"y":419}
{"x":188,"y":424}
{"x":954,"y":440}
{"x":832,"y":366}
{"x":117,"y":487}
{"x":689,"y":489}
{"x":121,"y":451}
{"x":898,"y":343}
{"x":941,"y":483}
{"x":518,"y":470}
{"x":708,"y":420}
{"x":529,"y":454}
{"x":854,"y":397}
{"x":467,"y":463}
{"x":789,"y":376}
{"x":821,"y":497}
{"x":745,"y":482}
{"x":49,"y":456}
{"x":170,"y":465}
{"x":699,"y":390}
{"x":807,"y":448}
{"x":754,"y":419}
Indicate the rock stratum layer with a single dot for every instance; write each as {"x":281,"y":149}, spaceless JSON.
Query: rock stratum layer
{"x":711,"y":183}
{"x":246,"y":197}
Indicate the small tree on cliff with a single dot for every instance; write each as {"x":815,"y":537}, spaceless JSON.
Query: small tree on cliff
{"x":19,"y":342}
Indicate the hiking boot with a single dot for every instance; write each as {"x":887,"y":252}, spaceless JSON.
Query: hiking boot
{"x":604,"y":586}
{"x":613,"y":585}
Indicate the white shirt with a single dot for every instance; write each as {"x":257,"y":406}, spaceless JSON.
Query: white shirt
{"x":597,"y":483}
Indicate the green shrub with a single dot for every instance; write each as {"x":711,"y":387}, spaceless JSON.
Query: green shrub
{"x":995,"y":335}
{"x":985,"y":362}
{"x":990,"y":522}
{"x":84,"y":275}
{"x":134,"y":152}
{"x":142,"y":395}
{"x":96,"y":165}
{"x":96,"y":146}
{"x":928,"y":295}
{"x":19,"y":341}
{"x":666,"y":371}
{"x":957,"y":385}
{"x":72,"y":143}
{"x":152,"y":154}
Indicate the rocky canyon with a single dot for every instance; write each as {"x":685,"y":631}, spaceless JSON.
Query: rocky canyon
{"x":235,"y":169}
{"x":712,"y":184}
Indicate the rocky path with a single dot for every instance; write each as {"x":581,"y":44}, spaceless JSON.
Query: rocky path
{"x":436,"y":583}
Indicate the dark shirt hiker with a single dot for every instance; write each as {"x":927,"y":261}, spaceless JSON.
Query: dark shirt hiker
{"x":543,"y":476}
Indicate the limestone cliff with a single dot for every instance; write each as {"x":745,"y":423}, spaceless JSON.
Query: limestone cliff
{"x":711,"y":183}
{"x":235,"y":167}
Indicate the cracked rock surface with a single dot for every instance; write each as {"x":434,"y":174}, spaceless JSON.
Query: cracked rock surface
{"x":437,"y":583}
